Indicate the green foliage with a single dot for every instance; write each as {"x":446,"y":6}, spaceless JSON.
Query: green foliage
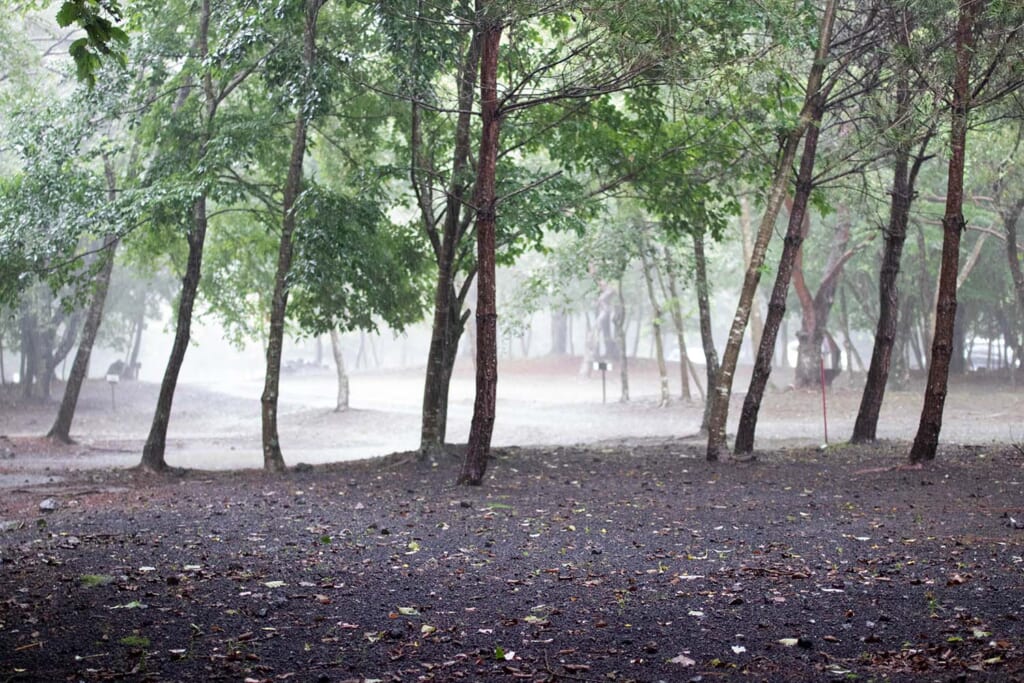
{"x":98,"y":18}
{"x":353,"y":267}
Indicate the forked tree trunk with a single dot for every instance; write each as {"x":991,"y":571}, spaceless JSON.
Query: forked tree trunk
{"x":61,"y":429}
{"x":719,"y":398}
{"x":273,"y":459}
{"x":927,"y":439}
{"x":449,"y":320}
{"x":818,"y":309}
{"x":777,"y":303}
{"x":341,"y":404}
{"x":704,"y":311}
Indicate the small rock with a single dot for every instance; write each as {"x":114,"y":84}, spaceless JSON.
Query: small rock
{"x":49,"y":505}
{"x":303,"y":467}
{"x":11,"y":524}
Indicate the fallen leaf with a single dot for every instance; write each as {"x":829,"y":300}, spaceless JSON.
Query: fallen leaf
{"x":682,"y":660}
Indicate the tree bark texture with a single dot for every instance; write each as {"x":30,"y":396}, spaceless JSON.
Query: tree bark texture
{"x":777,"y":303}
{"x":719,"y":398}
{"x":485,"y":200}
{"x":927,"y":439}
{"x":273,"y":459}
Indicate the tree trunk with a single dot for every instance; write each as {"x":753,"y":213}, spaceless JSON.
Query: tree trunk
{"x":61,"y":429}
{"x":559,"y":327}
{"x":656,"y":314}
{"x":866,"y":425}
{"x":620,"y":334}
{"x":156,"y":442}
{"x":927,"y":440}
{"x":777,"y":303}
{"x":339,"y":364}
{"x":449,"y":320}
{"x":273,"y":459}
{"x":485,"y":200}
{"x":815,"y":320}
{"x":676,"y":307}
{"x":756,"y":322}
{"x":780,"y":183}
{"x":706,"y":338}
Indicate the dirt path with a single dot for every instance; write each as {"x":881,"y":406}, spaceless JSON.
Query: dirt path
{"x":542,"y":402}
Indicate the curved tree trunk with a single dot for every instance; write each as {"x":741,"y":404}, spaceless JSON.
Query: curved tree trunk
{"x":927,"y":439}
{"x":482,"y":424}
{"x":719,"y":398}
{"x":156,"y":442}
{"x":61,"y":429}
{"x":273,"y":459}
{"x":777,"y":303}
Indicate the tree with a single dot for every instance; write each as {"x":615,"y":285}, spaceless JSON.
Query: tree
{"x":964,"y":95}
{"x":719,"y":398}
{"x":272,"y":458}
{"x":906,"y":166}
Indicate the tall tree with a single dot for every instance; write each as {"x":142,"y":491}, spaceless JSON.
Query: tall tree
{"x":906,"y":166}
{"x":485,"y":201}
{"x":273,"y":460}
{"x":927,"y":439}
{"x":719,"y":398}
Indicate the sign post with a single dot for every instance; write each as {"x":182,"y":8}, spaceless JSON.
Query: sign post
{"x":112,"y":380}
{"x":604,"y":367}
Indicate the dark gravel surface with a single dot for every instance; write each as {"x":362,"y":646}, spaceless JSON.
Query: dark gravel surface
{"x":628,"y":562}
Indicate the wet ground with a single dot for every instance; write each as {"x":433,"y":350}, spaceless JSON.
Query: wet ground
{"x":540,"y":402}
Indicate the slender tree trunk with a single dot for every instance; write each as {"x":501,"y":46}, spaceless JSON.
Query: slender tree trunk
{"x":777,"y":303}
{"x":927,"y":440}
{"x":925,"y":292}
{"x":156,"y":442}
{"x":676,"y":308}
{"x":620,"y":334}
{"x":559,"y":326}
{"x":482,"y":425}
{"x":706,"y":338}
{"x":656,"y":315}
{"x":866,"y":425}
{"x":131,"y":370}
{"x":723,"y":389}
{"x":339,"y":365}
{"x":449,"y":320}
{"x":756,"y":321}
{"x":273,"y":459}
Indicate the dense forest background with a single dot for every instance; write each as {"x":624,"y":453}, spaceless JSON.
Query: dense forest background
{"x":839,"y":184}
